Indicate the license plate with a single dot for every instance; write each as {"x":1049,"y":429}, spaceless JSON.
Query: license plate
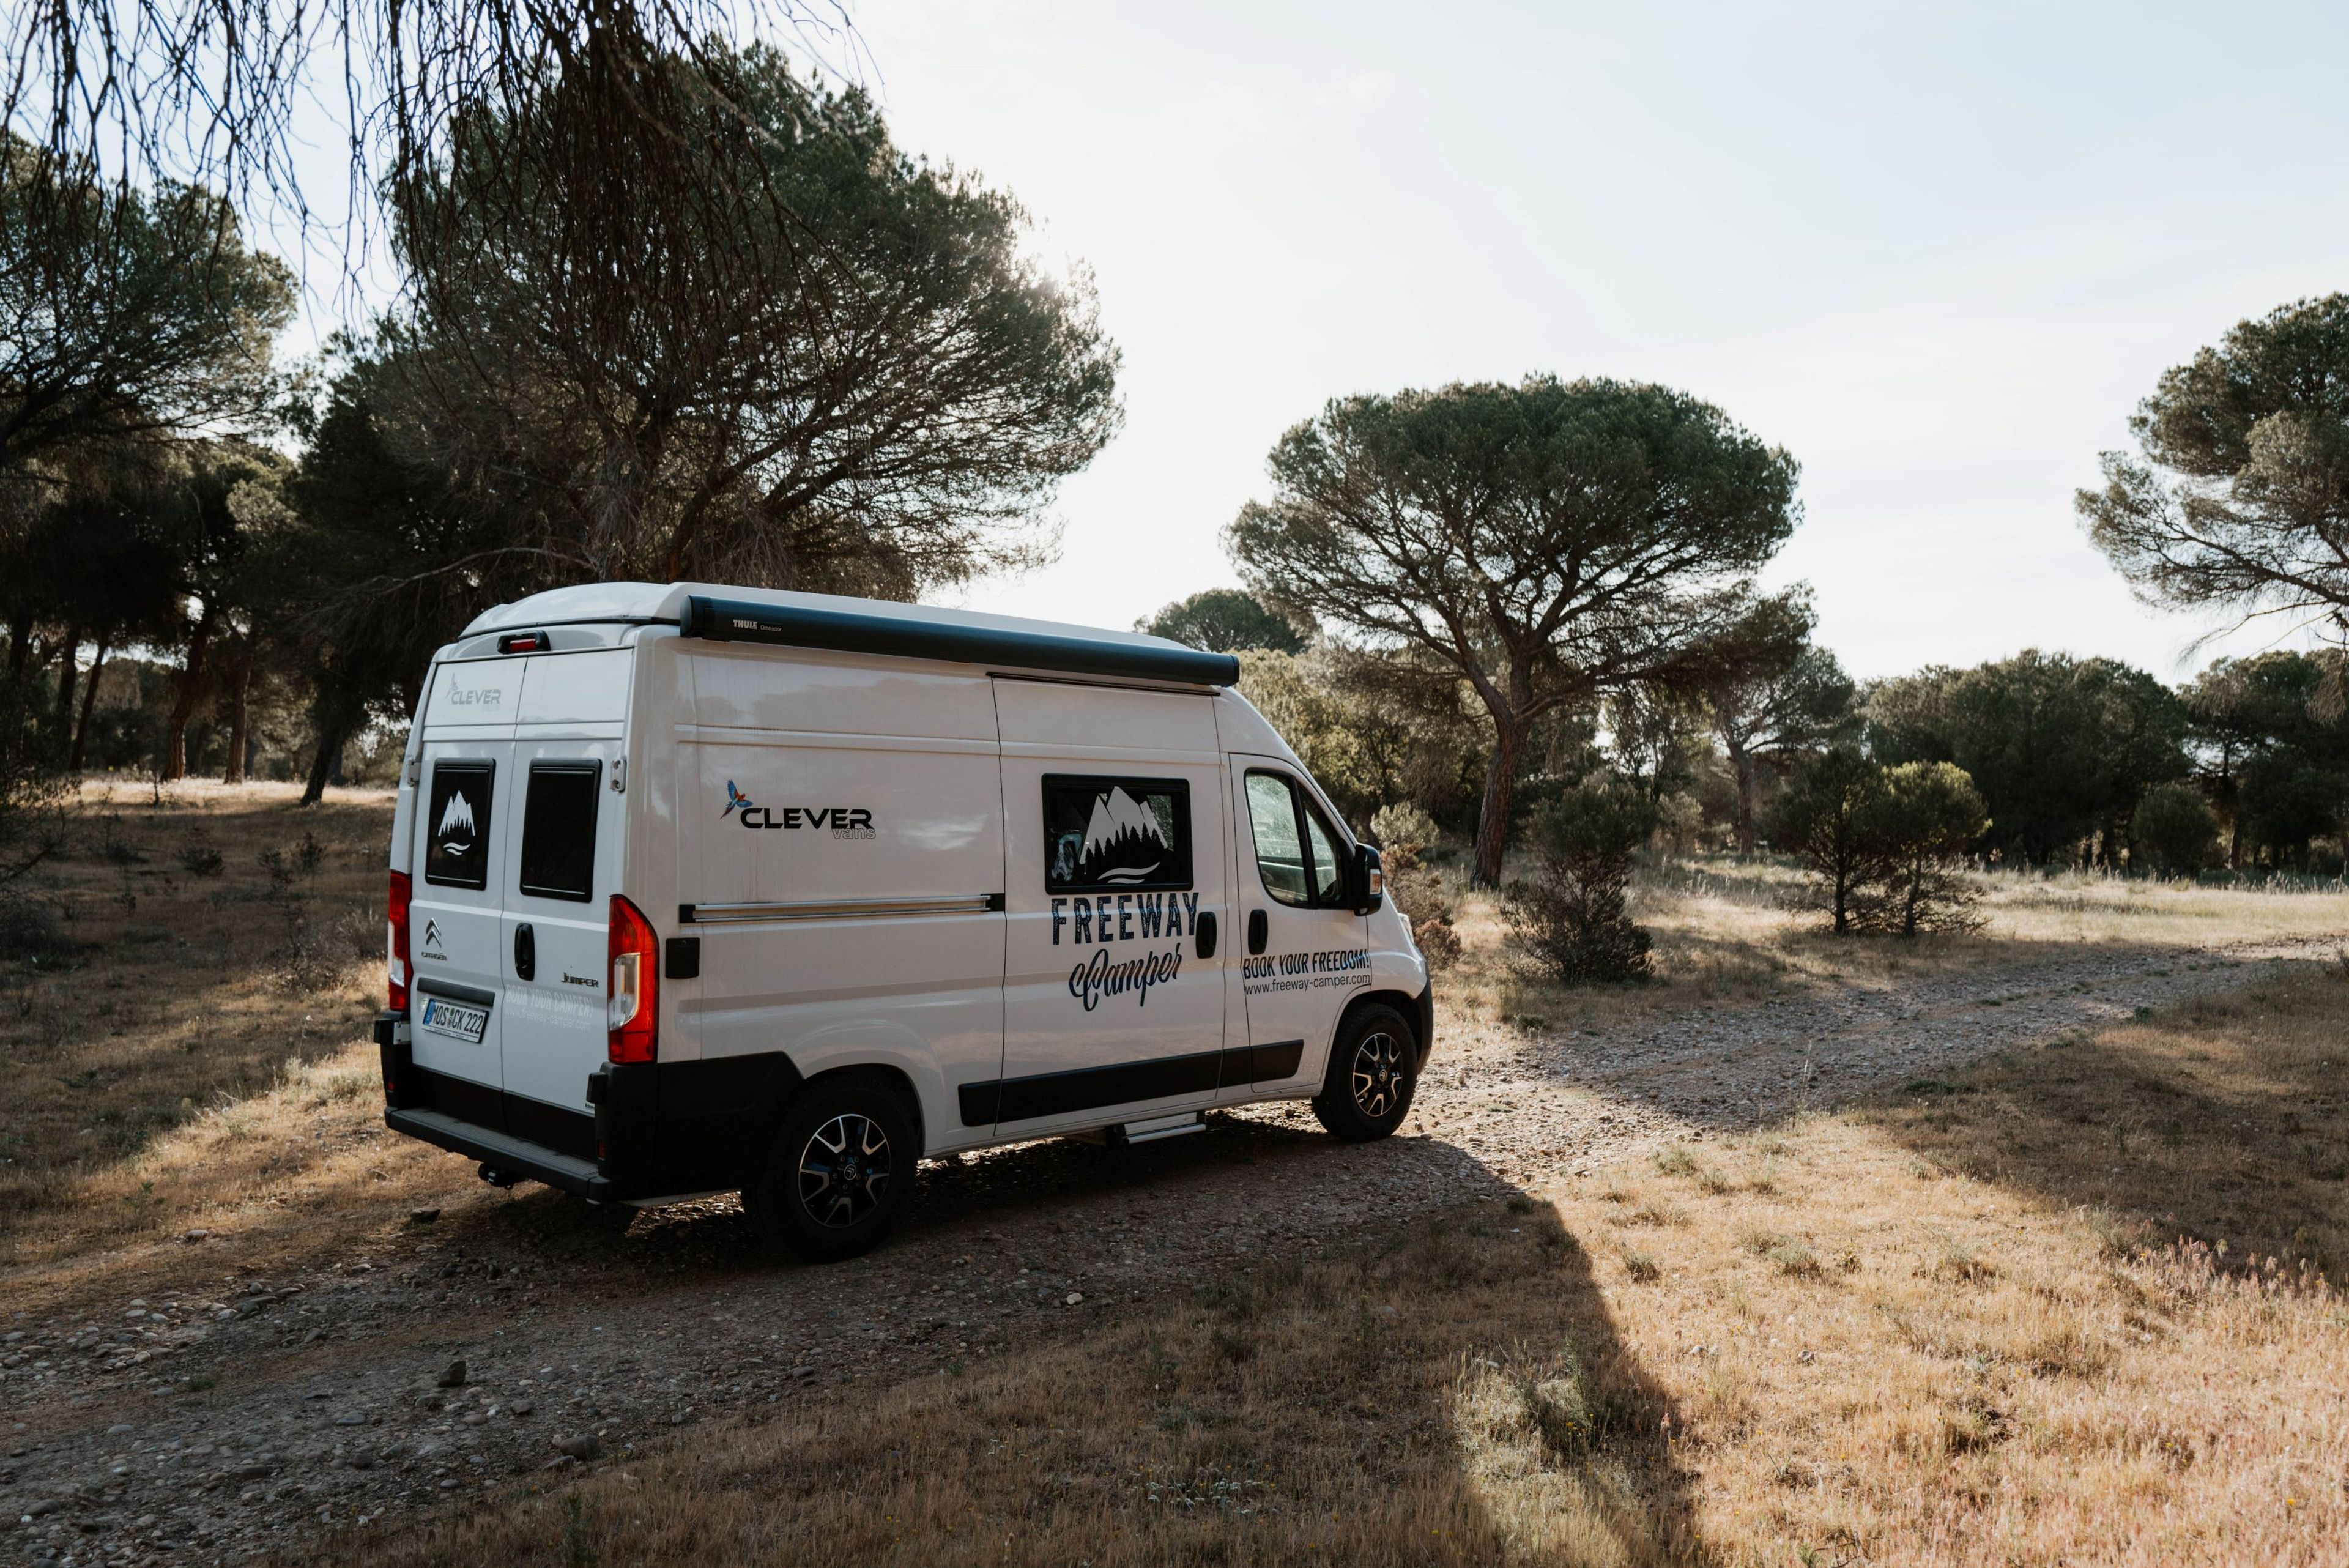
{"x":455,"y":1019}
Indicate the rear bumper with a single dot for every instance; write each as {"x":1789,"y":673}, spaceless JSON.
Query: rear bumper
{"x":609,"y":1156}
{"x":655,"y":1129}
{"x":515,"y":1156}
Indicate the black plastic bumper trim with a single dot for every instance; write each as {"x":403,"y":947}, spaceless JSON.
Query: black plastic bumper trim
{"x":518,"y":1156}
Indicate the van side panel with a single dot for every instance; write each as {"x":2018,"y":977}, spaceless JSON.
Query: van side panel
{"x":813,"y":793}
{"x":1111,"y":1012}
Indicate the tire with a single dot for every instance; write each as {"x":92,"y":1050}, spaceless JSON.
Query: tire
{"x":1368,"y":1091}
{"x":839,"y":1171}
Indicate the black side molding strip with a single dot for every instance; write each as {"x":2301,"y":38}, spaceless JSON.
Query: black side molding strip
{"x":731,"y":620}
{"x":1088,"y":1088}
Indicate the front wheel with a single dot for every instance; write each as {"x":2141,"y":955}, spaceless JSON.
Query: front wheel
{"x":1367,"y":1090}
{"x":837,"y":1176}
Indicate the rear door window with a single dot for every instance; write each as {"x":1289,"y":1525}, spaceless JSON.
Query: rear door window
{"x":457,"y":853}
{"x":558,"y":830}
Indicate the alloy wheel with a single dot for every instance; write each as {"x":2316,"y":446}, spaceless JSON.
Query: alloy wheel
{"x":844,"y":1169}
{"x":1378,"y":1073}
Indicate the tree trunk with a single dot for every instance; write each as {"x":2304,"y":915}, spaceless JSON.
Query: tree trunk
{"x":183,"y":707}
{"x":88,"y":701}
{"x":239,"y":719}
{"x":328,"y":765}
{"x":1741,"y":764}
{"x":68,"y":674}
{"x":20,"y":642}
{"x":1493,"y":817}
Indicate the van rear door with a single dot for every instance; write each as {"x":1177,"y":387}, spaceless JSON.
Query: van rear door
{"x":456,"y":907}
{"x":563,"y":840}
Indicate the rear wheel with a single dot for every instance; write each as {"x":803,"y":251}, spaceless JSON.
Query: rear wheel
{"x":1368,"y":1089}
{"x":838,"y":1173}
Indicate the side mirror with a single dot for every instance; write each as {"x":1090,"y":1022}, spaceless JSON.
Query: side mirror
{"x":1370,"y":880}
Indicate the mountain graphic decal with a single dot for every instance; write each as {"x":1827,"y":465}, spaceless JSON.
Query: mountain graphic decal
{"x":456,"y":819}
{"x":1124,"y":842}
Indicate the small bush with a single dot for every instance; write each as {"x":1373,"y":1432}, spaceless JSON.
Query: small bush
{"x":1401,"y":827}
{"x":1418,"y":892}
{"x":201,"y":860}
{"x":28,"y":929}
{"x":1568,"y":918}
{"x":1882,"y":844}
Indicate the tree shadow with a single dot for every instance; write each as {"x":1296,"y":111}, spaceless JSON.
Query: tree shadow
{"x":1445,"y":1386}
{"x":2218,"y":1119}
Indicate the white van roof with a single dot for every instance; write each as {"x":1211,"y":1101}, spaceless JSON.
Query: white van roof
{"x":881,"y":626}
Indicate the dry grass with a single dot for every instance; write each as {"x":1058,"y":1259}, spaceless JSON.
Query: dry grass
{"x":194,"y":1059}
{"x":1728,"y":933}
{"x":2070,"y":1309}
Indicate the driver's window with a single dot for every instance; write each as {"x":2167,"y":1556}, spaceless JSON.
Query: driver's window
{"x":1279,"y":854}
{"x":1328,"y":888}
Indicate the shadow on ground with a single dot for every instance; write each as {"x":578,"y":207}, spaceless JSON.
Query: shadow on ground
{"x":2220,"y":1119}
{"x":1450,"y":1389}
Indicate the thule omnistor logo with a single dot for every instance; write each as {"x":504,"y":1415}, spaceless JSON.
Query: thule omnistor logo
{"x":845,"y":821}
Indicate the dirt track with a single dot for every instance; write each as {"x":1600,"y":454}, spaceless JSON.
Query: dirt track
{"x":316,"y":1399}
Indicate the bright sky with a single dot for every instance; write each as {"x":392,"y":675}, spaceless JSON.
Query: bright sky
{"x":1938,"y":258}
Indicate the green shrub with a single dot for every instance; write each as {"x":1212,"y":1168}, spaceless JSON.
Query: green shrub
{"x":1567,"y":918}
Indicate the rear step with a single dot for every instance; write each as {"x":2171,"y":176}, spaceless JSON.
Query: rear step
{"x":501,"y":1155}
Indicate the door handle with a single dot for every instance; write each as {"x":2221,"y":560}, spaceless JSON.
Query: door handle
{"x":1259,"y":931}
{"x":1204,"y":931}
{"x":525,"y":953}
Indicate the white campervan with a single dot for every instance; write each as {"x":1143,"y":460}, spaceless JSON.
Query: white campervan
{"x":698,"y":889}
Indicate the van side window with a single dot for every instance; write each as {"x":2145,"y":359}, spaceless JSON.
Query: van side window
{"x":1116,"y":833}
{"x":456,"y":817}
{"x":1280,"y":853}
{"x":1297,"y":851}
{"x":558,"y":830}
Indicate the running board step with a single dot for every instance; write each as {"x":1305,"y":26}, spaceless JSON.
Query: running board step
{"x":1156,"y":1127}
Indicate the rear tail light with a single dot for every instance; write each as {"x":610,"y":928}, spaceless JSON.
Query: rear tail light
{"x":633,"y":1008}
{"x":398,"y":955}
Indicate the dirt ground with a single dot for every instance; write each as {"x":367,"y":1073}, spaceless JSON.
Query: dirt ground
{"x":230,"y":1328}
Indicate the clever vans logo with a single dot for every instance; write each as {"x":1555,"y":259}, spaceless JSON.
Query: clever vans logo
{"x":845,"y":821}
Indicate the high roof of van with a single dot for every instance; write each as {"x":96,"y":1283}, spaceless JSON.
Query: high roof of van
{"x":707,"y":608}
